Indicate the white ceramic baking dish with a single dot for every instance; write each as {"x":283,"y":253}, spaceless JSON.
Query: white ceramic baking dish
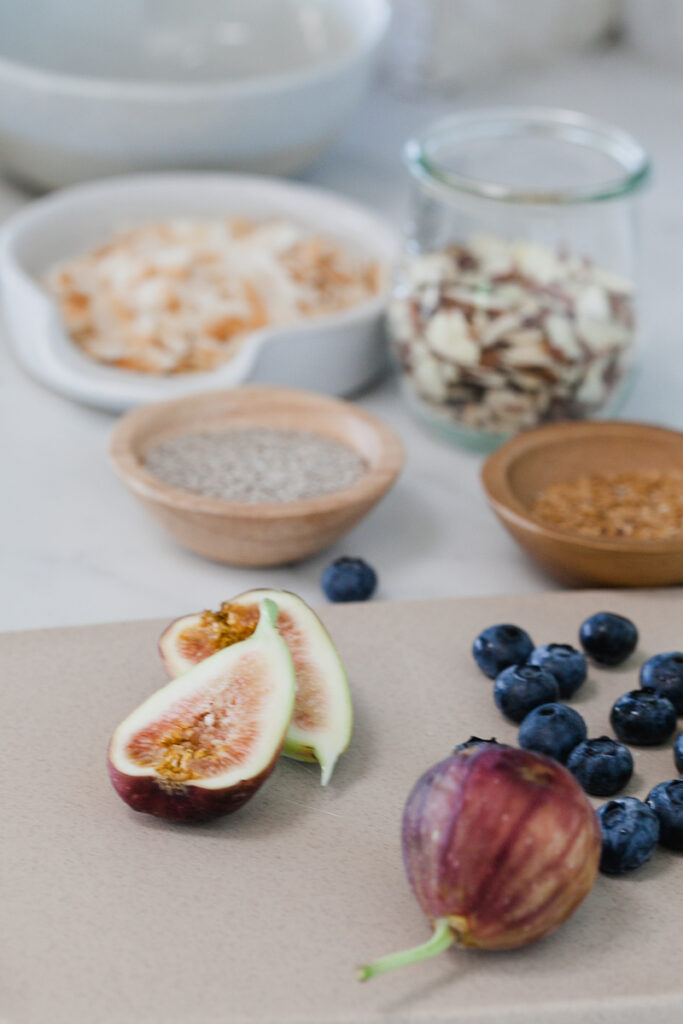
{"x":337,"y":354}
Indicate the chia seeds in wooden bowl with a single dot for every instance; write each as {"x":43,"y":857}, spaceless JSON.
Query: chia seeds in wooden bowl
{"x":279,"y":474}
{"x":255,"y":465}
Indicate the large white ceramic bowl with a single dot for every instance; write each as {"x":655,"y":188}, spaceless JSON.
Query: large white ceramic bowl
{"x":337,"y":354}
{"x":90,"y":88}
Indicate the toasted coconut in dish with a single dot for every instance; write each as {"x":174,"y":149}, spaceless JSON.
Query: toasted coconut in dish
{"x":180,"y":295}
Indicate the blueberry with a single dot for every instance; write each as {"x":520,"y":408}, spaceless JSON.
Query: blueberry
{"x":666,"y":800}
{"x":473,"y":741}
{"x":608,"y":638}
{"x":643,"y":717}
{"x":630,"y":832}
{"x":521,"y":688}
{"x":552,"y":729}
{"x":500,"y":646}
{"x":564,"y":662}
{"x":602,"y":766}
{"x":349,"y":579}
{"x":664,"y":673}
{"x":678,"y":752}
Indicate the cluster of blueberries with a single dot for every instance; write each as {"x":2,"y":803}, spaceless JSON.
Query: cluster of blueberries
{"x":531,"y":681}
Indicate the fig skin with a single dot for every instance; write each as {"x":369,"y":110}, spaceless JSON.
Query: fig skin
{"x":500,"y":846}
{"x":177,"y":799}
{"x":182,"y":801}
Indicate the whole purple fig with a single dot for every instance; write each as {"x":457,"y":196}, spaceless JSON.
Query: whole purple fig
{"x":500,"y":846}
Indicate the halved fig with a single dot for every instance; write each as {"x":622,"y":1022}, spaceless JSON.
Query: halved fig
{"x":321,"y":726}
{"x":203,"y":744}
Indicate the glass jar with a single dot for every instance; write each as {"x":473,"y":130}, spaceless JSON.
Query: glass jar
{"x":515,"y":301}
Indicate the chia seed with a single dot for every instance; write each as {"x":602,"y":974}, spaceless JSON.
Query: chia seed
{"x":255,"y":464}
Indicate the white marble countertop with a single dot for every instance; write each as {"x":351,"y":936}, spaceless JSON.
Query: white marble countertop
{"x":75,"y":547}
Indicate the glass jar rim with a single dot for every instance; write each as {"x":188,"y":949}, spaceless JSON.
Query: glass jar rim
{"x":519,"y":122}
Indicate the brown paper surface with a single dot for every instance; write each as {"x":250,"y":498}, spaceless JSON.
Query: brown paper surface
{"x":112,"y":917}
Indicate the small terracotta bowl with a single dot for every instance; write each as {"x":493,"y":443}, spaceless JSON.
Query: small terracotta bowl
{"x":514,"y":476}
{"x":254,"y":534}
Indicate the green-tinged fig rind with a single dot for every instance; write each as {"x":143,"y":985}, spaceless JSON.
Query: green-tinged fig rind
{"x":202,"y":745}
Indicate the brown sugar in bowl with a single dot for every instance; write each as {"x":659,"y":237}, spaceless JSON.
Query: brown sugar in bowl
{"x":516,"y":474}
{"x":256,"y":533}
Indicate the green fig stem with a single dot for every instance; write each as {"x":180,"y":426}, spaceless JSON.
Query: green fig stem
{"x":442,"y":938}
{"x":268,"y":612}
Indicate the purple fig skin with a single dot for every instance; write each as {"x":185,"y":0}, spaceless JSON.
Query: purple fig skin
{"x":183,"y":801}
{"x":501,"y":843}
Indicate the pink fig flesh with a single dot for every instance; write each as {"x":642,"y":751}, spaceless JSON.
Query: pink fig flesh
{"x":500,"y":847}
{"x":202,"y":745}
{"x":322,"y":722}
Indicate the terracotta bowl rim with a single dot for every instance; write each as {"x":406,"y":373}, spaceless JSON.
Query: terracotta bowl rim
{"x":504,"y":501}
{"x":134,"y":425}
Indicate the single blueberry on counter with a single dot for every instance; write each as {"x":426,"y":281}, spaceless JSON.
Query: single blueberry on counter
{"x":602,"y":766}
{"x":349,"y":579}
{"x":643,"y":718}
{"x":630,"y":833}
{"x":678,"y":752}
{"x":500,"y":646}
{"x":608,"y":638}
{"x":564,"y":662}
{"x":552,"y":729}
{"x":666,"y":800}
{"x":521,"y":688}
{"x":664,"y":673}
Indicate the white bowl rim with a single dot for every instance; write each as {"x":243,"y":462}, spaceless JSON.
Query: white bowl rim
{"x":160,"y":91}
{"x":69,"y":195}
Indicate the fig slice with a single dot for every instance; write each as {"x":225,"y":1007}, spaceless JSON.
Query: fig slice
{"x":321,"y":726}
{"x":203,"y":744}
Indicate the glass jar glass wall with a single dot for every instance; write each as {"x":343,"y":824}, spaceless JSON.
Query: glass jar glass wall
{"x":515,"y":303}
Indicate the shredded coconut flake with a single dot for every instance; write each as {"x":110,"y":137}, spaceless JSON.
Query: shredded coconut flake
{"x":181,"y":295}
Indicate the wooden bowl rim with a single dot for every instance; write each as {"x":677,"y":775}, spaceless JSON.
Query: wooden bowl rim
{"x":375,"y":482}
{"x":494,"y":477}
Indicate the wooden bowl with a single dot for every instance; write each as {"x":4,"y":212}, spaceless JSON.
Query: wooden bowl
{"x":256,"y":534}
{"x":514,"y":476}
